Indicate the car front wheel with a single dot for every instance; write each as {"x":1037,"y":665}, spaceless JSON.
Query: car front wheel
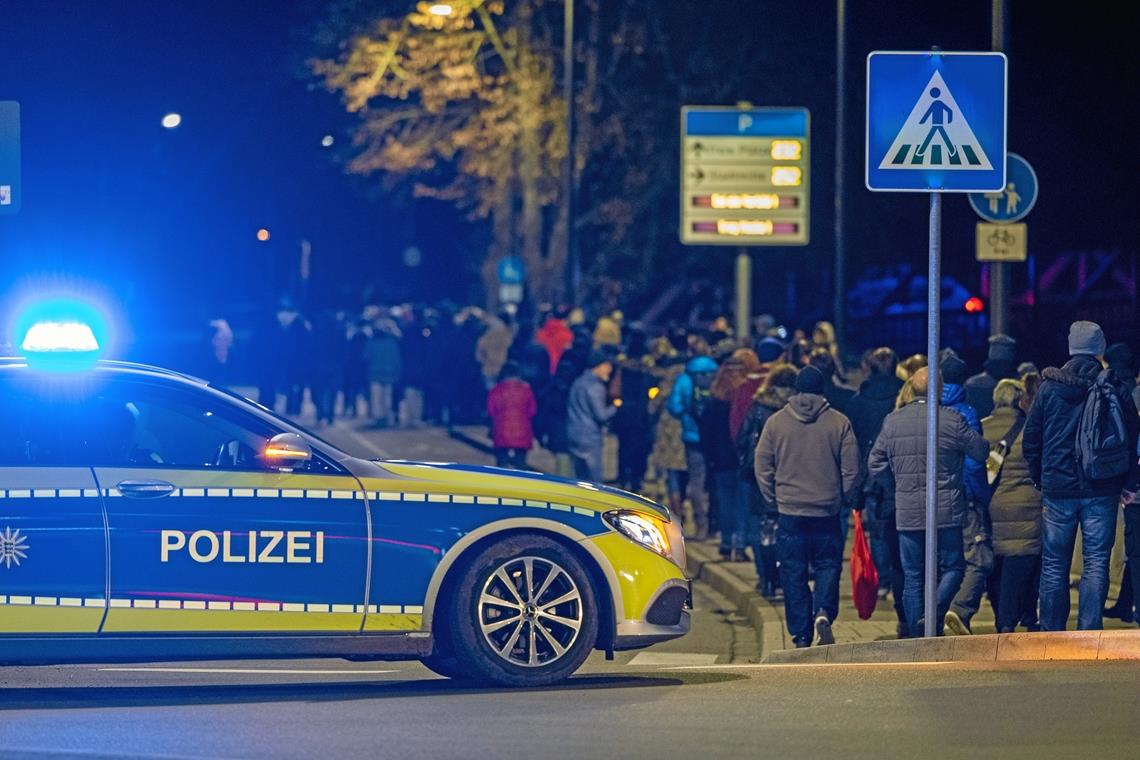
{"x":524,"y":614}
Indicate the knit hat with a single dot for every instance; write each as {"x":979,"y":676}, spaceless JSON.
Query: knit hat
{"x":954,"y":371}
{"x":598,"y":358}
{"x":769,"y":350}
{"x":809,"y":380}
{"x":1119,"y":355}
{"x":1086,"y":338}
{"x":1002,"y":348}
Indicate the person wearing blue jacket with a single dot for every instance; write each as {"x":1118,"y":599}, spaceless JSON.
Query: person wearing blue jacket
{"x":976,"y":539}
{"x":690,"y":393}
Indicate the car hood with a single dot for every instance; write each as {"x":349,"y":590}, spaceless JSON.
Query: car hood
{"x":517,"y":484}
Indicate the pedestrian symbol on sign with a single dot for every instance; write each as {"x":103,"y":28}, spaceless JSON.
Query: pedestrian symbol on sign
{"x":935,"y":114}
{"x":936,"y":134}
{"x":1012,"y":200}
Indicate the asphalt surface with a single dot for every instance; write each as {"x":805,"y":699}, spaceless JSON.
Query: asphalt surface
{"x":331,"y":709}
{"x":701,"y":695}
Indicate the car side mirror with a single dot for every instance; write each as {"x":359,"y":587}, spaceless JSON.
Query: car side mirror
{"x":287,"y":450}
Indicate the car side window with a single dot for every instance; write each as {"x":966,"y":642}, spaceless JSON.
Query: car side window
{"x":128,"y":423}
{"x":153,"y":425}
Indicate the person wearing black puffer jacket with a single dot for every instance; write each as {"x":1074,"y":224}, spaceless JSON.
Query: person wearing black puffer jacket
{"x":1070,"y":498}
{"x":778,"y":386}
{"x":867,"y":410}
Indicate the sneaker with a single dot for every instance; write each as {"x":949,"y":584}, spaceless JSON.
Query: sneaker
{"x":955,"y":625}
{"x":823,"y":634}
{"x":740,"y":555}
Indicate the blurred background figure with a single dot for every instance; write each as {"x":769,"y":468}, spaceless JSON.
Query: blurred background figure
{"x":511,"y":406}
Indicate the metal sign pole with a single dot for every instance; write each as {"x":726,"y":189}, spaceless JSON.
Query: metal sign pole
{"x":743,"y":293}
{"x":999,"y":270}
{"x":933,"y":399}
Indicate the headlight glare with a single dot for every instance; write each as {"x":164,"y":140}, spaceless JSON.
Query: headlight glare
{"x":640,"y":529}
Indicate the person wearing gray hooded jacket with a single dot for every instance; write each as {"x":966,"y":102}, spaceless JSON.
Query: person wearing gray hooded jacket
{"x":807,"y":459}
{"x":898,"y":460}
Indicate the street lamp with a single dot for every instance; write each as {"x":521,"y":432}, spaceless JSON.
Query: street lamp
{"x":327,"y":141}
{"x":171,"y":120}
{"x":263,"y":234}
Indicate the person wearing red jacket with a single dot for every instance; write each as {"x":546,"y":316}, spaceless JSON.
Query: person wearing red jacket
{"x":556,"y":338}
{"x":512,"y":406}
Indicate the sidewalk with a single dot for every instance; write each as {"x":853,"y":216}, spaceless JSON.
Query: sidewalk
{"x":737,"y":581}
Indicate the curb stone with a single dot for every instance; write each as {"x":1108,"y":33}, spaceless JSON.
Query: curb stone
{"x":1003,"y":647}
{"x":703,"y":565}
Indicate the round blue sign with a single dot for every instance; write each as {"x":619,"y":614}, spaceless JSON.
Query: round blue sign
{"x":1016,"y":200}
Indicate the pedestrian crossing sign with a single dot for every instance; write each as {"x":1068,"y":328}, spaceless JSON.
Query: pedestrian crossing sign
{"x":936,"y":122}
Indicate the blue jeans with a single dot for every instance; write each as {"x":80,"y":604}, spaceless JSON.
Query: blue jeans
{"x":588,"y":468}
{"x":730,"y":509}
{"x":803,"y":541}
{"x":951,"y":569}
{"x":1097,"y":519}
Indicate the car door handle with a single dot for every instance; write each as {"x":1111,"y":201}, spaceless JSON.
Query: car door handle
{"x":145,"y":489}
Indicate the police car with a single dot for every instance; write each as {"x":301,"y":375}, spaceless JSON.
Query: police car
{"x":146,"y":515}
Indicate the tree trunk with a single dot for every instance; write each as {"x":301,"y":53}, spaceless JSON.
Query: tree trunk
{"x":502,"y":243}
{"x":529,"y":110}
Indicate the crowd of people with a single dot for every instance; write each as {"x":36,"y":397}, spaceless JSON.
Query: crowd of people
{"x":768,"y":447}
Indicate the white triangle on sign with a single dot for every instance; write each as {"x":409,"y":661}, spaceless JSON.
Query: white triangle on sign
{"x":936,"y":135}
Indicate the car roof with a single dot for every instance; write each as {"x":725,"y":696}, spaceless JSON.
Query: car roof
{"x":115,"y":367}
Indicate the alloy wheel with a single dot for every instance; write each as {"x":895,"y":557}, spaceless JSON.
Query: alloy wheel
{"x":530,"y":611}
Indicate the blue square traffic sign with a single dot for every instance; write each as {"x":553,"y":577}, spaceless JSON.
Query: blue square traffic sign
{"x":936,"y":122}
{"x":9,"y":156}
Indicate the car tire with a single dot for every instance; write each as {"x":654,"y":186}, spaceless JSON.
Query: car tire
{"x":524,"y":613}
{"x":447,"y":666}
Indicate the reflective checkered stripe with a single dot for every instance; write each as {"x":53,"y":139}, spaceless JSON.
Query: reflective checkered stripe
{"x":310,"y":493}
{"x":250,"y":493}
{"x":49,"y":493}
{"x":487,"y":501}
{"x":44,"y":614}
{"x":199,"y":604}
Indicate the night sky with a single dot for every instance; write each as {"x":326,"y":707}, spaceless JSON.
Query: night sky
{"x":163,"y":221}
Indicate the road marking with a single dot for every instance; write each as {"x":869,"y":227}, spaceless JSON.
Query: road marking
{"x":250,"y":671}
{"x":364,"y":441}
{"x":674,"y":659}
{"x":769,"y":666}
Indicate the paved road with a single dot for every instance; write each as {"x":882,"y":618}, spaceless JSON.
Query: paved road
{"x":330,"y":709}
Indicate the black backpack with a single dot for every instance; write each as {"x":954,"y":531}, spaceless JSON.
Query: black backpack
{"x":1103,"y":452}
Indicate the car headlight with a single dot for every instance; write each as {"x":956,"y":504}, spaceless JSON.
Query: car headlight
{"x":640,"y":529}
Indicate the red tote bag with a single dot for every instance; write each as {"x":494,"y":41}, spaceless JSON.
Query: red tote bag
{"x":864,"y":576}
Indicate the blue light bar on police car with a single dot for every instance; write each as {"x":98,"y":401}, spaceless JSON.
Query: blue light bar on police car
{"x":60,"y":338}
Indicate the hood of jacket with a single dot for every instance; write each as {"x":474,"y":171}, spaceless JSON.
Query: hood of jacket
{"x":881,"y":387}
{"x":555,"y":333}
{"x":700,"y":364}
{"x":775,"y":397}
{"x":1074,"y":378}
{"x":806,"y":407}
{"x":952,"y":394}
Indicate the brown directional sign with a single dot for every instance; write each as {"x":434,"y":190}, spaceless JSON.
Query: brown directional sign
{"x":744,"y":176}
